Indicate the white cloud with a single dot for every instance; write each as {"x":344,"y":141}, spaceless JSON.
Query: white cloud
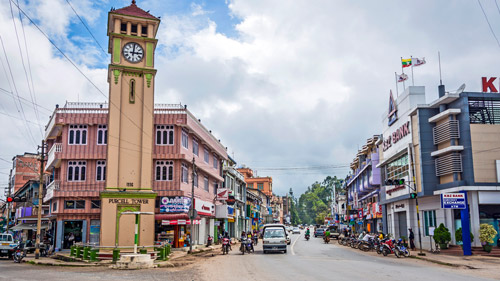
{"x":298,"y":85}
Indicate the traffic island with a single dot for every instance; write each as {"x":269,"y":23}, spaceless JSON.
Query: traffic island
{"x":134,"y":261}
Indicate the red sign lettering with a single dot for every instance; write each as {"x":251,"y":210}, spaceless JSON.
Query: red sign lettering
{"x":488,"y":84}
{"x":397,"y":135}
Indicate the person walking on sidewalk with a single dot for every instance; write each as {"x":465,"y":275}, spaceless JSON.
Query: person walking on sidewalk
{"x":412,"y":240}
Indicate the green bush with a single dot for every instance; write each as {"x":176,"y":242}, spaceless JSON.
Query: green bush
{"x":486,"y":233}
{"x":442,"y":235}
{"x":458,"y":235}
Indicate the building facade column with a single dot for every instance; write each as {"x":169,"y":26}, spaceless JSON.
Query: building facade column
{"x":84,"y":231}
{"x":474,"y":216}
{"x":59,"y":235}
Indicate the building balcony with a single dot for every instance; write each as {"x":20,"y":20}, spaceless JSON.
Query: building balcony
{"x":54,"y":157}
{"x":51,"y":188}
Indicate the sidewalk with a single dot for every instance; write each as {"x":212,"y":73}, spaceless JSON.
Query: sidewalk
{"x":64,"y":259}
{"x":470,"y":262}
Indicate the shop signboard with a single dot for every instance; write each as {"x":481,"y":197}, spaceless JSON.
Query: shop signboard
{"x":230,"y":211}
{"x":360,"y":213}
{"x":453,"y":201}
{"x":222,"y":194}
{"x":221,"y":211}
{"x":179,"y":222}
{"x":177,"y":204}
{"x":204,"y":208}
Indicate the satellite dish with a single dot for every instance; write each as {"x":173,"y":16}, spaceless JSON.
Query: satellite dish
{"x":460,"y":89}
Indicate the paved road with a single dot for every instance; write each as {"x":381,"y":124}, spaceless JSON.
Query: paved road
{"x":314,"y":260}
{"x":305,"y":260}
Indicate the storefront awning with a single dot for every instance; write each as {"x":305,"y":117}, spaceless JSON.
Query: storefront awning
{"x":28,"y":226}
{"x":179,"y":216}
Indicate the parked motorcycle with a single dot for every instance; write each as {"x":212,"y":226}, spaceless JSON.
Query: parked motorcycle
{"x":19,"y":253}
{"x":402,"y":249}
{"x":389,"y":248}
{"x":209,"y":240}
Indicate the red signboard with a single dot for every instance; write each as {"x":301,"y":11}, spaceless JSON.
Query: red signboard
{"x":488,"y":84}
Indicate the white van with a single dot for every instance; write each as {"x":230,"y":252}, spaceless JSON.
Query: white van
{"x":274,"y":238}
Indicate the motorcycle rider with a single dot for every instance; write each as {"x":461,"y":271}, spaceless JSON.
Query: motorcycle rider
{"x":226,"y":235}
{"x":308,"y":232}
{"x":327,"y":235}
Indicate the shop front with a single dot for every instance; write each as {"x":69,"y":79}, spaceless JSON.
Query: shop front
{"x":172,"y":224}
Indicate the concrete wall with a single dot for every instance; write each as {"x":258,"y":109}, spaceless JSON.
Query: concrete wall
{"x":485,"y":140}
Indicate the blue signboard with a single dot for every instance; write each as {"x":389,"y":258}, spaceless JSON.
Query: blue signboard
{"x":177,"y":204}
{"x":453,"y":201}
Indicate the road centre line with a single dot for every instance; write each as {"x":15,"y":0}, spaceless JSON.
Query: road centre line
{"x":293,"y":244}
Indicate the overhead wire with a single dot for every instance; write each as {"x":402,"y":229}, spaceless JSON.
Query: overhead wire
{"x":17,"y":93}
{"x":23,"y":64}
{"x":25,"y":100}
{"x":78,"y":69}
{"x":486,"y":17}
{"x":81,"y":20}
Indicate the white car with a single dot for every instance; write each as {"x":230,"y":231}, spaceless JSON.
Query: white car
{"x":296,"y":230}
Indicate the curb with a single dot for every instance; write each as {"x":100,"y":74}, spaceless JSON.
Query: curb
{"x":443,"y":263}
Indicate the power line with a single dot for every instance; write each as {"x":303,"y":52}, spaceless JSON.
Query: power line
{"x":491,"y":29}
{"x":24,"y":66}
{"x":17,"y":93}
{"x":78,"y":69}
{"x":25,"y":100}
{"x":67,"y":1}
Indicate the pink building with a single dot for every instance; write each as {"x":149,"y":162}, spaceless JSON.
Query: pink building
{"x":77,"y":145}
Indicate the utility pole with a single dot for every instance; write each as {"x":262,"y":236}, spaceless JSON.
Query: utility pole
{"x":40,"y":199}
{"x":191,"y":213}
{"x":8,"y":203}
{"x":416,"y":199}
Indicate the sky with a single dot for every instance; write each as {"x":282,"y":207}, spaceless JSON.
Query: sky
{"x":292,"y":88}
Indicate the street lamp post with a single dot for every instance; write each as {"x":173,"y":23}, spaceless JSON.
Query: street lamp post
{"x":137,"y":217}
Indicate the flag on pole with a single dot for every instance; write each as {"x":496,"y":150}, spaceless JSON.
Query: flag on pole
{"x":418,"y":62}
{"x":406,"y":62}
{"x":402,"y":77}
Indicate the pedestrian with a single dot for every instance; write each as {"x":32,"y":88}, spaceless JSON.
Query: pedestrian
{"x":412,"y":239}
{"x":71,"y":239}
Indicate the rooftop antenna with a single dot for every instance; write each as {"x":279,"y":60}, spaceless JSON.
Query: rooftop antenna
{"x":441,"y":89}
{"x":439,"y":60}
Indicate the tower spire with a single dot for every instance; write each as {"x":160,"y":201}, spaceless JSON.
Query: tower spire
{"x":133,"y":2}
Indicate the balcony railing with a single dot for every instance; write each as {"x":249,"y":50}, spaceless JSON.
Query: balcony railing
{"x":53,"y":186}
{"x":53,"y":159}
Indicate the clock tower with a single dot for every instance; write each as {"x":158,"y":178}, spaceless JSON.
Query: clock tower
{"x":131,"y":78}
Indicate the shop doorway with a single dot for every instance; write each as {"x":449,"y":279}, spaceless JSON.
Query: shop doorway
{"x":72,"y":229}
{"x":95,"y":229}
{"x":402,"y":226}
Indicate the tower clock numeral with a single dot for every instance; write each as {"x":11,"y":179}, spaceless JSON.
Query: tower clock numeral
{"x":133,"y":52}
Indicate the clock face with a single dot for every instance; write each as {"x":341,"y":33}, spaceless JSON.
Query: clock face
{"x":133,"y":52}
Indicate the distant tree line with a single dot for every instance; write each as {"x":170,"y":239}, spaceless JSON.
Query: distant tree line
{"x":315,"y":204}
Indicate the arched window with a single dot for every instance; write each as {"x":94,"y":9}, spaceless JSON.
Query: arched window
{"x":131,"y":98}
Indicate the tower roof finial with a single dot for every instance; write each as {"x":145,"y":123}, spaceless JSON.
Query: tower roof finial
{"x":133,"y":2}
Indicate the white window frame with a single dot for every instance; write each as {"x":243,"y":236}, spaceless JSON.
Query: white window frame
{"x":184,"y":173}
{"x":195,"y":147}
{"x":206,"y":183}
{"x":166,"y":170}
{"x":76,"y":165}
{"x":79,"y":133}
{"x":185,"y":139}
{"x":206,"y":155}
{"x":216,"y":162}
{"x":102,"y":165}
{"x":166,"y":137}
{"x":103,"y":131}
